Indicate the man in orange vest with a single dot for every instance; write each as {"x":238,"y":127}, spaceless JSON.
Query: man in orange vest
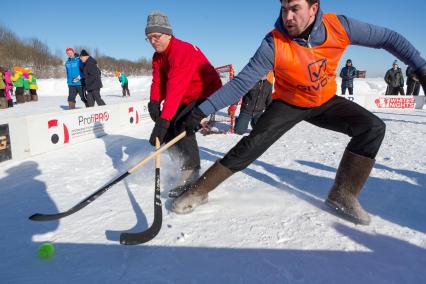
{"x":303,"y":50}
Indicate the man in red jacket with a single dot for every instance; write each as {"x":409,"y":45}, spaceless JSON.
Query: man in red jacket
{"x":182,"y":77}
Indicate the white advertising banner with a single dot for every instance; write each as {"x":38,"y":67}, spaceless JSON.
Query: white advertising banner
{"x":391,"y":102}
{"x":374,"y":102}
{"x":37,"y":134}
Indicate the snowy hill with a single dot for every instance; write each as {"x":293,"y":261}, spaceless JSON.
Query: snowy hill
{"x":266,"y":224}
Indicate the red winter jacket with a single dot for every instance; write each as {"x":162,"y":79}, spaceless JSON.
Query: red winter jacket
{"x":180,"y":75}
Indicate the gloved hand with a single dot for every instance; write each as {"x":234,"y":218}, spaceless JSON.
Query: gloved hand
{"x":160,"y":130}
{"x":193,"y":120}
{"x":154,"y":110}
{"x":76,"y":79}
{"x":421,"y":76}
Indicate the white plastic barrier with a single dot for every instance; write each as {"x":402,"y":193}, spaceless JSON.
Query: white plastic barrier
{"x":375,"y":102}
{"x":32,"y":135}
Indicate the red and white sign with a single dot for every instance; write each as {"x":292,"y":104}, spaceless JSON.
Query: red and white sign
{"x":395,"y":102}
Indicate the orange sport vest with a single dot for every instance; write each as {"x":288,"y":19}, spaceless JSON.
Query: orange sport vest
{"x":306,"y":77}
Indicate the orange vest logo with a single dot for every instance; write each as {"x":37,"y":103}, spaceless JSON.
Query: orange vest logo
{"x":318,"y":75}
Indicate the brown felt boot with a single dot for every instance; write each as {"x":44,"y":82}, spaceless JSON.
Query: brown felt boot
{"x":351,"y":176}
{"x":71,"y":105}
{"x":3,"y":103}
{"x":197,"y":194}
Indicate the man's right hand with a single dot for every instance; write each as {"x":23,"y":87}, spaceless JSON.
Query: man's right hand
{"x":421,"y":75}
{"x":154,"y":110}
{"x":193,"y":121}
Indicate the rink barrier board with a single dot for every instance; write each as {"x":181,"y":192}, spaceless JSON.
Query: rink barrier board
{"x":27,"y":136}
{"x":24,"y":137}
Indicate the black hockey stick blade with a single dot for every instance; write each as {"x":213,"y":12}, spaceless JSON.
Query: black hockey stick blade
{"x":151,"y":232}
{"x":80,"y":205}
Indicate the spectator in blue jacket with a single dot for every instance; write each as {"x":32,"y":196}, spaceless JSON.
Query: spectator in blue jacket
{"x":75,"y":77}
{"x":348,"y":73}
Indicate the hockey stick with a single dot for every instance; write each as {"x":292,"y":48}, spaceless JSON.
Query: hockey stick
{"x":151,"y":232}
{"x":102,"y":190}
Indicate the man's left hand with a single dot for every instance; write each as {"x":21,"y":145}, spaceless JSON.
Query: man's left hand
{"x":160,"y":131}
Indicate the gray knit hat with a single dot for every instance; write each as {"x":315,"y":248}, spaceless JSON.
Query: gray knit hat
{"x":157,"y":22}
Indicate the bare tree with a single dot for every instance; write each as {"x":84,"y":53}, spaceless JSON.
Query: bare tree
{"x":36,"y":54}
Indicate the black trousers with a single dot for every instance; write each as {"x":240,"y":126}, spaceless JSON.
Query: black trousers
{"x":351,"y":90}
{"x":413,"y":87}
{"x":125,"y":89}
{"x":73,"y":91}
{"x":338,"y":114}
{"x":186,"y":150}
{"x":394,"y":91}
{"x":94,"y":95}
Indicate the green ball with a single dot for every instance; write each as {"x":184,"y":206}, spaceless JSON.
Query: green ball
{"x":46,"y":250}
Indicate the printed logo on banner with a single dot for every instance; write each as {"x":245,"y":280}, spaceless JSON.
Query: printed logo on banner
{"x":137,"y":114}
{"x":400,"y":103}
{"x":134,"y":115}
{"x":5,"y":145}
{"x":58,"y":132}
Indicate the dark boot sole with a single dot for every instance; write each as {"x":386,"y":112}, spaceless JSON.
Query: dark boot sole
{"x":176,"y":192}
{"x":338,"y":211}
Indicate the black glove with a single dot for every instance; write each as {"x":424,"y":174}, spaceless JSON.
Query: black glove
{"x":193,"y":120}
{"x":160,"y":130}
{"x":421,"y":75}
{"x":154,"y":110}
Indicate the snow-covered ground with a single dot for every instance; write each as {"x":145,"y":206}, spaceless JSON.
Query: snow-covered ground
{"x":266,"y":224}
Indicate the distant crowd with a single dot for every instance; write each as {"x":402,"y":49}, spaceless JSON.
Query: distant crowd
{"x":23,"y":80}
{"x":394,"y":79}
{"x":83,"y":79}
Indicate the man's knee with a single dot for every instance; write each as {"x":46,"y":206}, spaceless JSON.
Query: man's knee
{"x":372,"y":132}
{"x":378,"y":127}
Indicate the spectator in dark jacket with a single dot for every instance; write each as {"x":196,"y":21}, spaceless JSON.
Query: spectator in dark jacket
{"x":348,"y":73}
{"x":413,"y":84}
{"x":93,"y":82}
{"x":395,"y":80}
{"x":253,"y":105}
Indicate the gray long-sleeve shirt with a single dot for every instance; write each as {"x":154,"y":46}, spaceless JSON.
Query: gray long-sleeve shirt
{"x":359,"y":33}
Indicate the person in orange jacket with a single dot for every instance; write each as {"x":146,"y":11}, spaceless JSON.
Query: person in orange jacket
{"x":304,"y":50}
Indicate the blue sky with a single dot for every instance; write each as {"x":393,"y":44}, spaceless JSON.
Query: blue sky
{"x":228,"y":31}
